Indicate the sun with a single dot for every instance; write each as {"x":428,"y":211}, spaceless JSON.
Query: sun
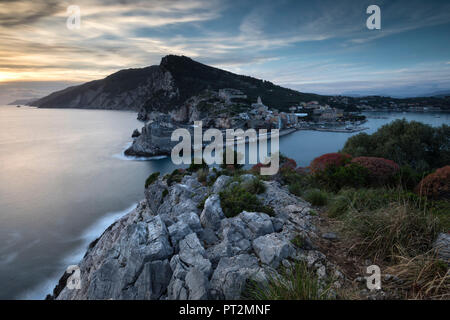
{"x":9,"y":76}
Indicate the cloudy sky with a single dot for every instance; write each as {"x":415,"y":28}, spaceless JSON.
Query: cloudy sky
{"x":318,"y":46}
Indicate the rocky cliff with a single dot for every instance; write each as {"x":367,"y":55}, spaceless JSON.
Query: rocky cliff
{"x":168,"y":248}
{"x":124,"y":90}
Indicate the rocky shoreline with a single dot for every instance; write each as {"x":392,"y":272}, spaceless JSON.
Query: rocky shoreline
{"x":170,"y":247}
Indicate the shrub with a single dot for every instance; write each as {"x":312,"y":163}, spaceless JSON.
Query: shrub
{"x":316,"y":197}
{"x":255,"y":186}
{"x":292,"y":283}
{"x":176,"y":176}
{"x":296,"y":188}
{"x":152,"y":178}
{"x":408,"y":178}
{"x":436,"y":185}
{"x":418,"y":145}
{"x":202,"y":175}
{"x":327,"y":160}
{"x":256,"y":169}
{"x":335,"y":178}
{"x":381,"y":171}
{"x":287,"y":163}
{"x":236,"y":199}
{"x":194,"y":167}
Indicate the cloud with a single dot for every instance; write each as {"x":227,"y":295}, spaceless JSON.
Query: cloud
{"x":19,"y":12}
{"x":255,"y":38}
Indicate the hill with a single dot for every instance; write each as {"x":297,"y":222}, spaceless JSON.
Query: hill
{"x":166,"y":86}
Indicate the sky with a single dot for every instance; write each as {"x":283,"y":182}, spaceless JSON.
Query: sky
{"x":321,"y":46}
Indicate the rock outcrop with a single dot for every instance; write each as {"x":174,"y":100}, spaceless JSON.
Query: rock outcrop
{"x":169,"y":248}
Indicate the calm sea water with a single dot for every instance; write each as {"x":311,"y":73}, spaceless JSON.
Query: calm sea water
{"x":63,"y":180}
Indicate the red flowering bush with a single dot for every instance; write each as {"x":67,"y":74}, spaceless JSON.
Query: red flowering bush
{"x":327,"y":160}
{"x":436,"y":185}
{"x":380,"y":170}
{"x":257,"y":168}
{"x":287,"y":163}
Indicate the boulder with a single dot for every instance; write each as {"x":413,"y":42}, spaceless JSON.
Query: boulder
{"x":271,"y":250}
{"x":212,"y":213}
{"x":231,"y":274}
{"x":193,"y":254}
{"x":197,"y":284}
{"x":442,"y":246}
{"x":259,"y":223}
{"x":221,"y":183}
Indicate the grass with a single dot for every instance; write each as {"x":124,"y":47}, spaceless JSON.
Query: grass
{"x":383,"y":232}
{"x":298,"y":241}
{"x":152,"y":178}
{"x":294,"y":283}
{"x":358,"y":199}
{"x":296,"y":188}
{"x":316,"y":197}
{"x":423,"y":276}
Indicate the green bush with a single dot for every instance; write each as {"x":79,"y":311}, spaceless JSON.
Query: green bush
{"x":176,"y":176}
{"x":408,"y":178}
{"x":236,"y":199}
{"x":202,"y":175}
{"x":296,"y":188}
{"x":255,"y":186}
{"x":152,"y":178}
{"x":418,"y":145}
{"x":293,"y":283}
{"x":194,"y":167}
{"x":316,"y":197}
{"x":334,"y":178}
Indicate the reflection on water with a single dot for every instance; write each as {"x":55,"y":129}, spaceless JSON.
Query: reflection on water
{"x":63,"y":180}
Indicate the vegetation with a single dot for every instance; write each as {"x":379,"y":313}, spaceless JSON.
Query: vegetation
{"x":194,"y":167}
{"x":336,"y":177}
{"x":380,"y":171}
{"x":436,"y":185}
{"x":152,"y":178}
{"x":423,"y":276}
{"x":238,"y":198}
{"x":325,"y":161}
{"x":193,"y":77}
{"x":175,"y":177}
{"x":255,"y":186}
{"x":386,"y":202}
{"x":316,"y":197}
{"x":396,"y":227}
{"x":292,"y":283}
{"x":235,"y":165}
{"x":418,"y":145}
{"x":202,"y":175}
